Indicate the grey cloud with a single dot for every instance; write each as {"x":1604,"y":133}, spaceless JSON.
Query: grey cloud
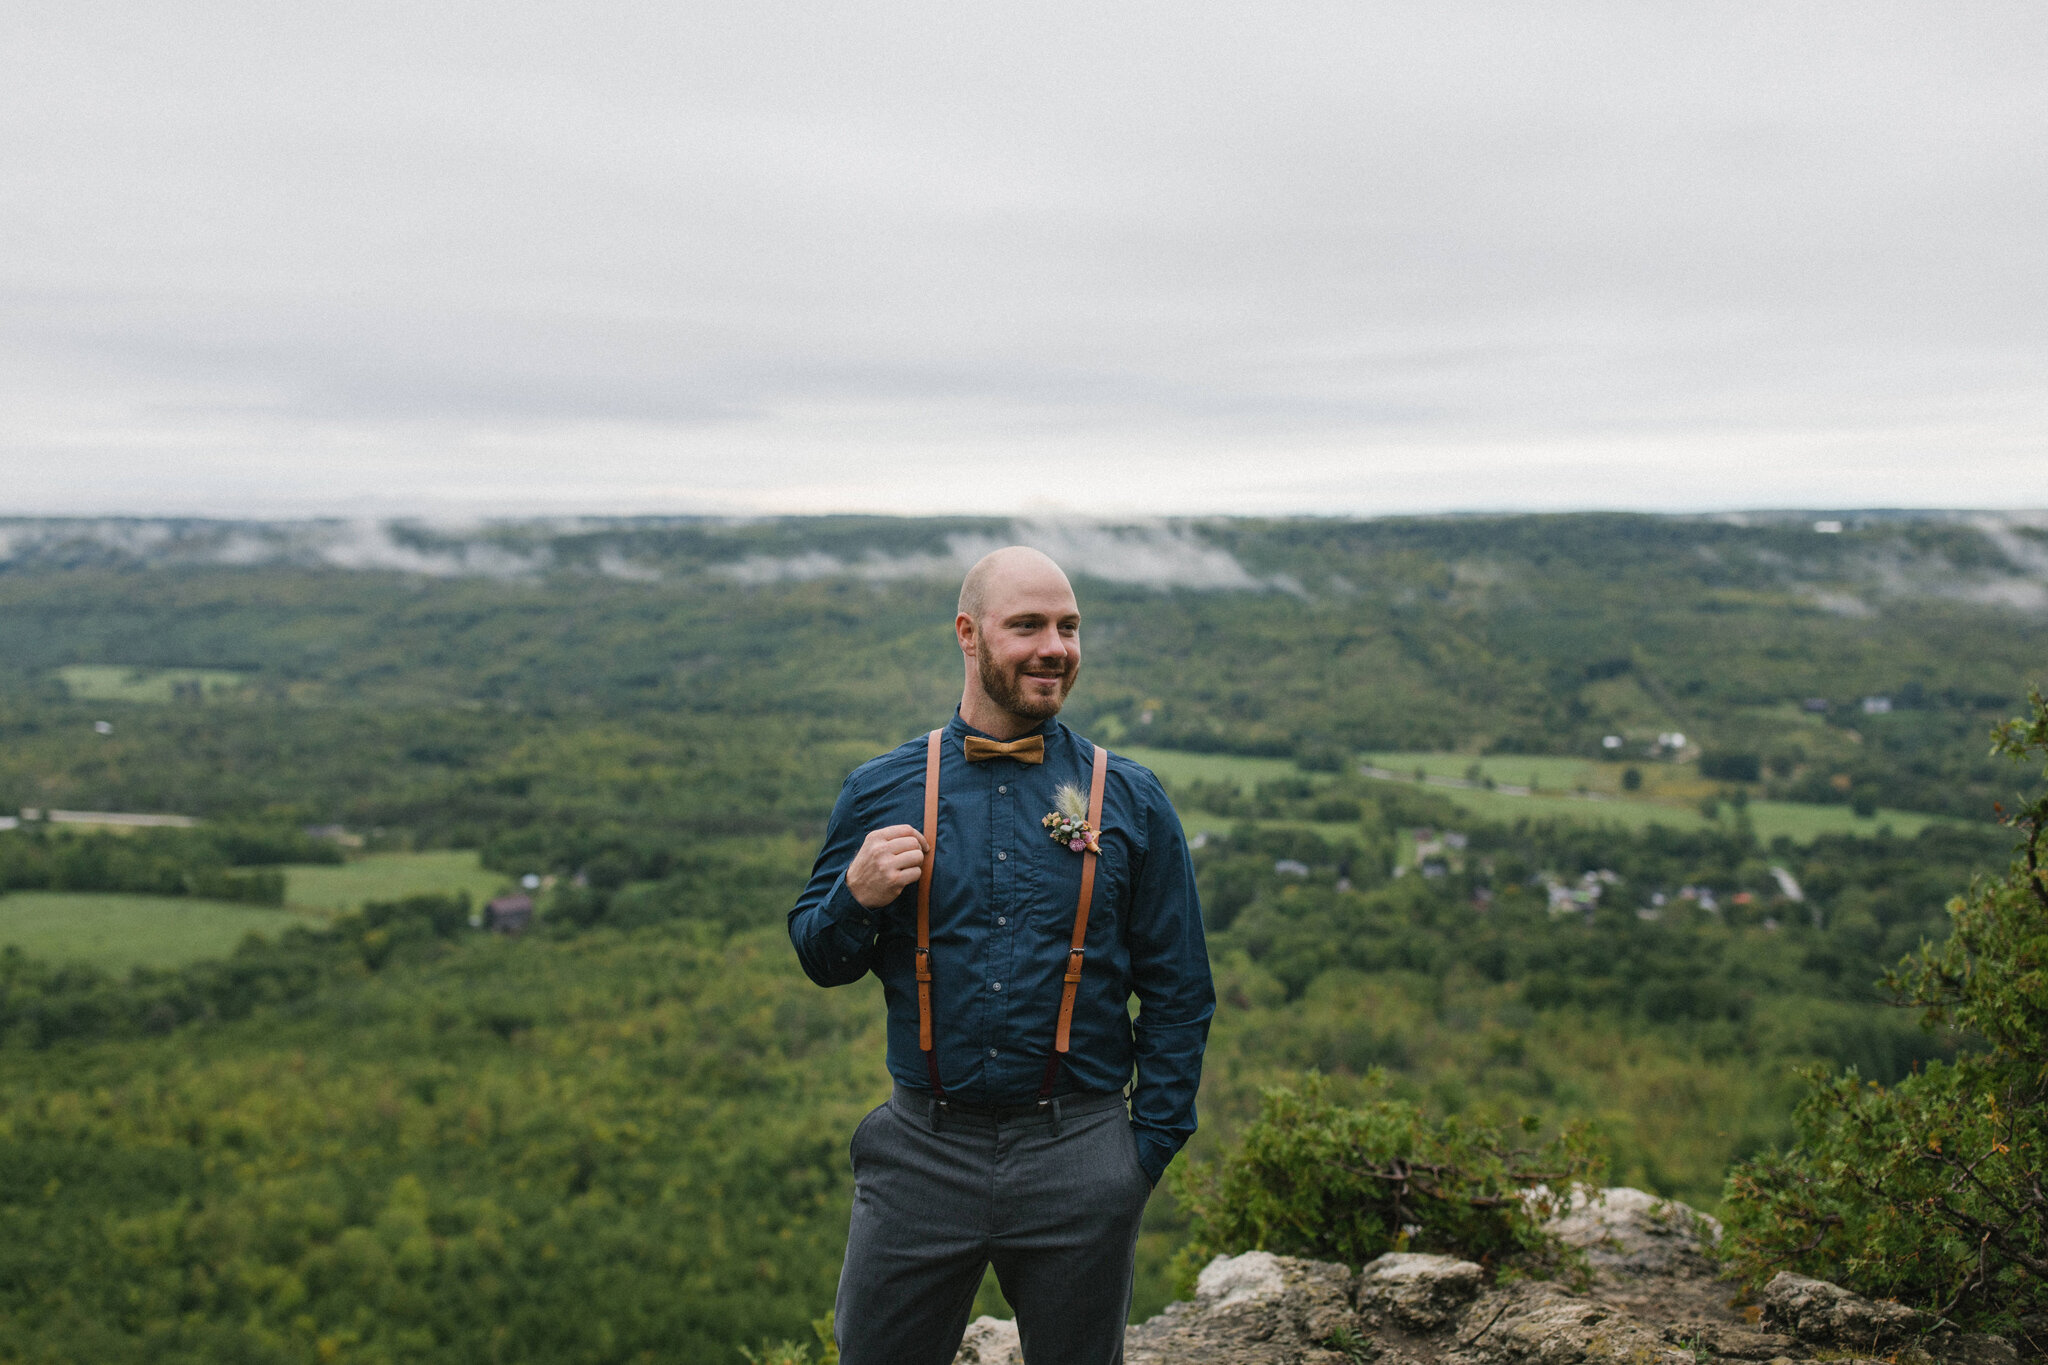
{"x":1149,"y":556}
{"x":1768,"y":243}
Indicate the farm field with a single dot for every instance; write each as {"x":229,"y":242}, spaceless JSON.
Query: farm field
{"x":1669,"y":794}
{"x":1174,"y":765}
{"x":1541,"y":772}
{"x":115,"y":932}
{"x":119,"y":682}
{"x":330,"y":888}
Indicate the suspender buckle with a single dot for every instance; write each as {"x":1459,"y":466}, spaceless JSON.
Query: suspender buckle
{"x":924,"y":964}
{"x":1074,"y":956}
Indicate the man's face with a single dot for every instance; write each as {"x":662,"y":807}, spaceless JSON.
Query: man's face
{"x":1028,"y":646}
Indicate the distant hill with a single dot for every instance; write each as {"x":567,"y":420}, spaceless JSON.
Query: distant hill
{"x":1818,"y":656}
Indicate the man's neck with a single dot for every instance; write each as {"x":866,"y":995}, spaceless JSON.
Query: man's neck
{"x":995,"y":721}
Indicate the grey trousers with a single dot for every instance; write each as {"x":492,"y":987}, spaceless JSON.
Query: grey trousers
{"x":1053,"y":1205}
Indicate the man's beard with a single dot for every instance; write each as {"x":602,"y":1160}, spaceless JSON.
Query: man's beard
{"x":1004,"y":690}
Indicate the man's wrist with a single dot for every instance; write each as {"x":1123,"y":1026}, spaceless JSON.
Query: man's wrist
{"x":844,"y":909}
{"x":852,"y":924}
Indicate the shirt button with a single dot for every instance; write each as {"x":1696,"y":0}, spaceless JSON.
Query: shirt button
{"x":1004,"y":791}
{"x":991,"y":1052}
{"x":1002,"y":919}
{"x":995,"y":985}
{"x":1002,"y":857}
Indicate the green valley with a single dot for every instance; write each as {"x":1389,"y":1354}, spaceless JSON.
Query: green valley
{"x":370,"y":1132}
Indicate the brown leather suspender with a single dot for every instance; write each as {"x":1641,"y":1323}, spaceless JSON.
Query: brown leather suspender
{"x":924,"y":909}
{"x":1075,"y":951}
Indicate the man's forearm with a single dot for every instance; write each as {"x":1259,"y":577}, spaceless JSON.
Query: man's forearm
{"x":1169,"y":1058}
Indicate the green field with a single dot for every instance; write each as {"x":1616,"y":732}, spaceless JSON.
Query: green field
{"x":119,"y":682}
{"x":1562,"y":788}
{"x":115,"y":932}
{"x":387,"y":877}
{"x":1545,"y":773}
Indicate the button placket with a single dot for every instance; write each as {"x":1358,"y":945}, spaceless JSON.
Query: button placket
{"x":1002,"y":821}
{"x":993,"y":955}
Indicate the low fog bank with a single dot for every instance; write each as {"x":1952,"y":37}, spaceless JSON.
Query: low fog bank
{"x":1846,"y":562}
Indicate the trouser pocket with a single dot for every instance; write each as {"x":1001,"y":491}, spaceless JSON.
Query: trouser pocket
{"x":853,"y":1147}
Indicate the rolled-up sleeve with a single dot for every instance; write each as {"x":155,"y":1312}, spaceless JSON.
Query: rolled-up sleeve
{"x":1176,"y":995}
{"x":833,"y":933}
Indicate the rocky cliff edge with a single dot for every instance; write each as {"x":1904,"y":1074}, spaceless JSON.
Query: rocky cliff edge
{"x":1654,"y":1299}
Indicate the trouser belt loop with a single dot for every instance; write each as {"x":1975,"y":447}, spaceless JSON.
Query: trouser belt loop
{"x":1056,"y":1116}
{"x":938,"y":1112}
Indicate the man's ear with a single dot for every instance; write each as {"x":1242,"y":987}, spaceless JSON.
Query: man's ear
{"x":963,"y":629}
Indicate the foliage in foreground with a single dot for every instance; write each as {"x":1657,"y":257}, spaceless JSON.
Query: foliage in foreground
{"x":787,"y":1352}
{"x":1319,"y":1179}
{"x":1931,"y":1190}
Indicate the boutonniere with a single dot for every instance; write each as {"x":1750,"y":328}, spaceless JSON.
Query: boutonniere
{"x":1067,"y":821}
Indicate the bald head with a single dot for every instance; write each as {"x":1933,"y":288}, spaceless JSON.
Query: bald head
{"x":1020,"y":634}
{"x":1014,"y":567}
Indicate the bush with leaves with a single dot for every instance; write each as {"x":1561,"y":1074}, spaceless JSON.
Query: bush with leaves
{"x":1931,"y":1191}
{"x":787,"y":1352}
{"x":1351,"y":1182}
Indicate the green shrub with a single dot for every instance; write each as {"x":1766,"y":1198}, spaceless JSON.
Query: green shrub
{"x":1349,"y":1183}
{"x":1730,"y":767}
{"x":1931,"y":1191}
{"x":788,"y":1352}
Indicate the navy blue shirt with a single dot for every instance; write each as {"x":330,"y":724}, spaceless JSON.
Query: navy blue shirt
{"x":1002,"y":916}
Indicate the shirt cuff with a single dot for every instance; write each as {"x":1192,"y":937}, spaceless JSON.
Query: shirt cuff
{"x":1154,"y":1152}
{"x":853,"y":924}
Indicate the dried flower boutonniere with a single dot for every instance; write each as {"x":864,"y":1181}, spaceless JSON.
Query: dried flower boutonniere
{"x":1068,"y":823}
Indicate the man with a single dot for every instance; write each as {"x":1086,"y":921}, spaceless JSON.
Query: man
{"x":996,"y":1147}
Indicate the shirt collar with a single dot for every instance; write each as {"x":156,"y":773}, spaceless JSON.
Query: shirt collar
{"x":958,"y":728}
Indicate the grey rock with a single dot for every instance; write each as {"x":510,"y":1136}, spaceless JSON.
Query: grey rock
{"x":1733,"y":1343}
{"x":1629,"y":1232}
{"x":990,"y":1341}
{"x":1829,"y":1315}
{"x":1419,"y":1292}
{"x":1540,"y":1324}
{"x":1969,"y":1348}
{"x":1254,"y":1309}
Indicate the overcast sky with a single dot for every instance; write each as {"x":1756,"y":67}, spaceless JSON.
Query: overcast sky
{"x":1117,"y":259}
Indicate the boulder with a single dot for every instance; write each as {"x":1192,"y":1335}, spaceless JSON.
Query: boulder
{"x":1541,"y":1324}
{"x":1628,"y":1232}
{"x":990,"y":1341}
{"x":1254,"y":1309}
{"x":1830,"y":1315}
{"x":1419,"y":1292}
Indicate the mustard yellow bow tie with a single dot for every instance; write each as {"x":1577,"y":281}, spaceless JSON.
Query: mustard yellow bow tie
{"x":1030,"y":749}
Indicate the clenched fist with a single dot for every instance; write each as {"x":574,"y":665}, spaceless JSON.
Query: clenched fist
{"x":889,"y":860}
